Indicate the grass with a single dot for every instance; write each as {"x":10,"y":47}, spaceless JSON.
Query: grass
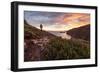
{"x":58,"y":49}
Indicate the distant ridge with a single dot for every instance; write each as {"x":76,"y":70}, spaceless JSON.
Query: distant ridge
{"x":80,"y":33}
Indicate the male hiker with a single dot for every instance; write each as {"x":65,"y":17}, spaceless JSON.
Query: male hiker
{"x":41,"y":26}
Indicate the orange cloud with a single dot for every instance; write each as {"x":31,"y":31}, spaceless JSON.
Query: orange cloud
{"x":74,"y":20}
{"x":70,"y":17}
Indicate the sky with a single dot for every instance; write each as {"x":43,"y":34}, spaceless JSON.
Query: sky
{"x":56,"y":21}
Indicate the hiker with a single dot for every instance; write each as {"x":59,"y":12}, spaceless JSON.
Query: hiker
{"x":41,"y":26}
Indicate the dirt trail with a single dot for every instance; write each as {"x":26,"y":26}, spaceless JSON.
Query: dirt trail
{"x":34,"y":48}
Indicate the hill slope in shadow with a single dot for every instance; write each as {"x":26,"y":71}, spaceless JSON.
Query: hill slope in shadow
{"x":80,"y":33}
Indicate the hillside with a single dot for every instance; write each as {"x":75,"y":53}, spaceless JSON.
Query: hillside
{"x":80,"y":33}
{"x":42,"y":45}
{"x":35,"y":33}
{"x":34,"y":41}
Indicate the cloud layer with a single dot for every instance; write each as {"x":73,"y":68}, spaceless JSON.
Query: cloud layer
{"x":56,"y":21}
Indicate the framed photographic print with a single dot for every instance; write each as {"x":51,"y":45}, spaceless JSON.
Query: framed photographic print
{"x":52,"y":36}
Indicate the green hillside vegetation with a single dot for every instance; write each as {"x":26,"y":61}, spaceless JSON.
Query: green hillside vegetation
{"x":59,"y":49}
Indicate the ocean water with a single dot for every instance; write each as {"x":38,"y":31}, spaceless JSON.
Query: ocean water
{"x":62,"y":34}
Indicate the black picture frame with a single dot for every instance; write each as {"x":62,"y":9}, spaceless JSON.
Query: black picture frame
{"x":14,"y":35}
